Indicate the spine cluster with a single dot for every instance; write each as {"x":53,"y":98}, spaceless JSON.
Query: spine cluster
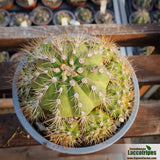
{"x":79,"y":88}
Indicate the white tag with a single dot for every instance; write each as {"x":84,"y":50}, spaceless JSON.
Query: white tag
{"x":64,"y":21}
{"x":103,"y":6}
{"x":30,"y":2}
{"x":24,"y":24}
{"x":74,"y":22}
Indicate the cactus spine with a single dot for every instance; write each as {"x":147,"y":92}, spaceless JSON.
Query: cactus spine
{"x":79,"y":88}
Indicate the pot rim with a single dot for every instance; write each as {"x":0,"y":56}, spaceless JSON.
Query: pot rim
{"x":8,"y":18}
{"x":44,"y":23}
{"x":53,"y":6}
{"x":28,"y":7}
{"x":79,"y":150}
{"x":58,"y":12}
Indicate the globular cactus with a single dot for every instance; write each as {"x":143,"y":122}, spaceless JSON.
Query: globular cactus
{"x":143,"y":4}
{"x":140,"y":17}
{"x":78,"y":87}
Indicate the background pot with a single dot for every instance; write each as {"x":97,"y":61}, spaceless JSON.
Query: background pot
{"x":137,"y":7}
{"x":20,"y":19}
{"x":70,"y":14}
{"x":4,"y":14}
{"x":131,"y":16}
{"x":55,"y":6}
{"x":98,"y":3}
{"x":39,"y":13}
{"x":97,"y":17}
{"x":6,"y":4}
{"x":155,"y":15}
{"x":156,"y":4}
{"x":26,"y":6}
{"x":79,"y":150}
{"x":74,"y":4}
{"x":80,"y":9}
{"x":4,"y":56}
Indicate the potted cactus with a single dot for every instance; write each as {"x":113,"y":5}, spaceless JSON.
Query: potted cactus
{"x":52,"y":4}
{"x":20,"y":20}
{"x":41,"y":16}
{"x":106,"y":18}
{"x":4,"y":18}
{"x":157,"y":4}
{"x":98,"y":2}
{"x":58,"y":17}
{"x":76,"y":3}
{"x":76,"y":92}
{"x":142,"y":4}
{"x":155,"y":16}
{"x":140,"y":17}
{"x":85,"y":15}
{"x":27,"y":4}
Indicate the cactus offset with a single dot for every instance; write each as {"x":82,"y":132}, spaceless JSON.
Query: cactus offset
{"x":79,"y":88}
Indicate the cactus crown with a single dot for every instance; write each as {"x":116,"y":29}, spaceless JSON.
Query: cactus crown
{"x":143,"y":4}
{"x":79,"y":88}
{"x":140,"y":17}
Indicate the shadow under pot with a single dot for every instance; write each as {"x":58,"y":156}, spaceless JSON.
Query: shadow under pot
{"x":107,"y":18}
{"x":52,"y":4}
{"x":41,"y":16}
{"x":140,"y":17}
{"x":157,"y":4}
{"x":155,"y":16}
{"x":85,"y":15}
{"x":60,"y":15}
{"x":4,"y":18}
{"x":142,"y":4}
{"x":27,"y":4}
{"x":6,"y":4}
{"x":76,"y":3}
{"x":4,"y":56}
{"x":20,"y":20}
{"x":98,"y":3}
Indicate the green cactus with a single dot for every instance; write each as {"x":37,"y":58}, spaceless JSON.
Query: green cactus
{"x":143,"y":4}
{"x":85,"y":14}
{"x":79,"y":88}
{"x":61,"y":16}
{"x":140,"y":17}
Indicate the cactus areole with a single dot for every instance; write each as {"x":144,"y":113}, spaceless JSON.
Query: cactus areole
{"x":76,"y":91}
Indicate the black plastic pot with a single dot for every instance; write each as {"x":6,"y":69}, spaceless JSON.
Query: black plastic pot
{"x":54,"y":5}
{"x":81,"y":14}
{"x":24,"y":4}
{"x":41,"y":16}
{"x":6,"y":4}
{"x":100,"y":18}
{"x":4,"y":18}
{"x":20,"y":20}
{"x":138,"y":7}
{"x":133,"y":14}
{"x":77,"y":4}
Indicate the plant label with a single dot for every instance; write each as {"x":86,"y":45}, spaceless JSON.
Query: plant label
{"x":24,"y":24}
{"x":103,"y":6}
{"x":64,"y":21}
{"x":30,"y":2}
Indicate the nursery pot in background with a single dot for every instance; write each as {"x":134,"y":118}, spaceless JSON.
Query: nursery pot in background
{"x":4,"y":18}
{"x":52,"y":4}
{"x":76,"y":3}
{"x":79,"y":149}
{"x":6,"y":4}
{"x":27,"y":4}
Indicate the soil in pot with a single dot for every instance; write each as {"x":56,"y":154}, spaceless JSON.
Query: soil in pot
{"x":20,"y":20}
{"x":77,"y":3}
{"x":4,"y":18}
{"x":60,"y":15}
{"x":106,"y":18}
{"x":142,"y":4}
{"x":140,"y":17}
{"x":157,"y":4}
{"x":27,"y":4}
{"x":4,"y":56}
{"x":155,"y":16}
{"x":85,"y":15}
{"x":41,"y":16}
{"x":6,"y":4}
{"x":52,"y":4}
